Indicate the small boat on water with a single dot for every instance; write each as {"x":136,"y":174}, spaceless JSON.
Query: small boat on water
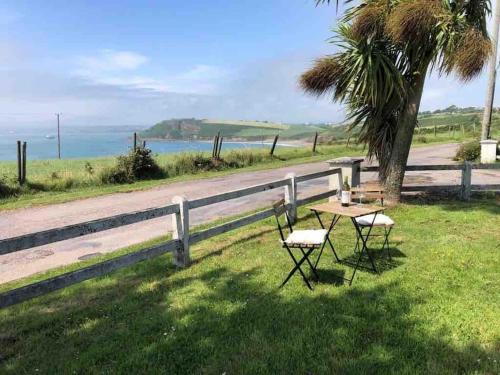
{"x":50,"y":136}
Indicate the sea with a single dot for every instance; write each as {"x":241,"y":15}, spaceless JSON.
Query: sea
{"x":94,"y":141}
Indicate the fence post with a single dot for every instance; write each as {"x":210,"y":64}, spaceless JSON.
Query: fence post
{"x":180,"y":225}
{"x":19,"y":164}
{"x":274,"y":144}
{"x":291,"y":196}
{"x":220,"y":147}
{"x":466,"y":180}
{"x":24,"y":163}
{"x":351,"y":168}
{"x":315,"y":141}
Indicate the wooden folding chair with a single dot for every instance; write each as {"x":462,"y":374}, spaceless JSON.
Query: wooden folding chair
{"x":369,"y":190}
{"x":373,"y":190}
{"x":298,"y":239}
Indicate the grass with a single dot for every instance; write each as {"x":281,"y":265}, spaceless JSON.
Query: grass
{"x":433,"y":310}
{"x":56,"y":181}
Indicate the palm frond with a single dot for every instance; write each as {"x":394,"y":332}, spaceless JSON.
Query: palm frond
{"x":471,"y":55}
{"x":414,"y":21}
{"x":323,"y":76}
{"x":368,"y":19}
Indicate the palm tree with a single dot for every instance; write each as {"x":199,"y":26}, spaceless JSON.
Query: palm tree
{"x":387,"y":48}
{"x":490,"y":94}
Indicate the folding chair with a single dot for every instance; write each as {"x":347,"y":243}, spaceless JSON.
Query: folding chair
{"x":298,"y":239}
{"x":381,"y":221}
{"x":369,"y":190}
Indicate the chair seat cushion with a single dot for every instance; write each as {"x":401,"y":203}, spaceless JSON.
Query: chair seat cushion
{"x":306,"y":237}
{"x":381,"y":220}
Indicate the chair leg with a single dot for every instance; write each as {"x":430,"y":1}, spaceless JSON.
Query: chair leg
{"x":319,"y":256}
{"x":297,"y":267}
{"x":386,"y":242}
{"x":356,"y":248}
{"x":313,"y":269}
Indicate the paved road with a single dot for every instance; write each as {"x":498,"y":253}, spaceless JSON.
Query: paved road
{"x":23,"y":221}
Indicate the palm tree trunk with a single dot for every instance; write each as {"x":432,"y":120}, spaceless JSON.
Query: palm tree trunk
{"x":397,"y":163}
{"x":488,"y":108}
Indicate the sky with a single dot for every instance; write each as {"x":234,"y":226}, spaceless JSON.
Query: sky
{"x":124,"y":62}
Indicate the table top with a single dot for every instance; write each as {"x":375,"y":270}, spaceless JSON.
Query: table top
{"x":353,"y":210}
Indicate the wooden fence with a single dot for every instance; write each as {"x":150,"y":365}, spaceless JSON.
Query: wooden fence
{"x":464,"y":189}
{"x":183,"y":238}
{"x":179,"y":245}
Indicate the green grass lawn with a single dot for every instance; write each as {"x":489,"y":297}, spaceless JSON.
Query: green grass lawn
{"x":433,"y":310}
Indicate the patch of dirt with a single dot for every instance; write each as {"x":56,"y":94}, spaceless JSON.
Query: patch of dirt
{"x":89,"y":256}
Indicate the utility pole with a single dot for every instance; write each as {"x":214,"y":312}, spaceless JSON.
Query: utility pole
{"x":490,"y":94}
{"x":58,"y":136}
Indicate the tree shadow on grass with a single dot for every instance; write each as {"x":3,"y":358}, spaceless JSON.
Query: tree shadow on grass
{"x":223,"y":321}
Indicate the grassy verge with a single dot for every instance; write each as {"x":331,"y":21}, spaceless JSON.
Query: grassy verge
{"x":56,"y":181}
{"x":433,"y":310}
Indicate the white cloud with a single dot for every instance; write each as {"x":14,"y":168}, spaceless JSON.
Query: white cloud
{"x":127,"y":69}
{"x":110,"y":61}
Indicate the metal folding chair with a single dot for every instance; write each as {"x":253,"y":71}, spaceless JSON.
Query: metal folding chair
{"x":298,"y":239}
{"x":381,"y":221}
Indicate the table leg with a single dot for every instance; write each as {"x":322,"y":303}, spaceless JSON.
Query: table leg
{"x":364,"y":246}
{"x":335,"y":220}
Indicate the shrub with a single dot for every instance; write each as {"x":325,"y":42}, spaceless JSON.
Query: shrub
{"x":188,"y":163}
{"x":138,"y":164}
{"x":5,"y":190}
{"x":421,"y":139}
{"x":468,"y":151}
{"x":244,"y":158}
{"x":89,"y":168}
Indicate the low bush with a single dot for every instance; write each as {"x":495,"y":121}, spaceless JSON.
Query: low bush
{"x":138,"y":164}
{"x":245,"y":158}
{"x":422,"y":139}
{"x":5,"y":190}
{"x":469,"y":151}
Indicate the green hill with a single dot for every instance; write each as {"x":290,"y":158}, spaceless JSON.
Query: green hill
{"x":177,"y":129}
{"x":450,"y":122}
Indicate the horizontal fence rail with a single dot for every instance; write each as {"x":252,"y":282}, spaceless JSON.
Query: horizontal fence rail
{"x":62,"y":281}
{"x":196,"y":203}
{"x":313,"y":176}
{"x":226,"y":227}
{"x":413,"y":168}
{"x":77,"y":230}
{"x":486,"y":166}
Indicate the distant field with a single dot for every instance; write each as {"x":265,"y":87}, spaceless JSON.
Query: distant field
{"x":260,"y":124}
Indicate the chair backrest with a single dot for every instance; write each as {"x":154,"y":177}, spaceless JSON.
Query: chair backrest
{"x":280,"y":210}
{"x":369,"y":190}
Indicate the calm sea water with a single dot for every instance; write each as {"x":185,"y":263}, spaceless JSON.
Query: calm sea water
{"x":82,"y":142}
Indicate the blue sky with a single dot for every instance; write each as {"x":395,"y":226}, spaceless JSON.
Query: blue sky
{"x":137,"y":62}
